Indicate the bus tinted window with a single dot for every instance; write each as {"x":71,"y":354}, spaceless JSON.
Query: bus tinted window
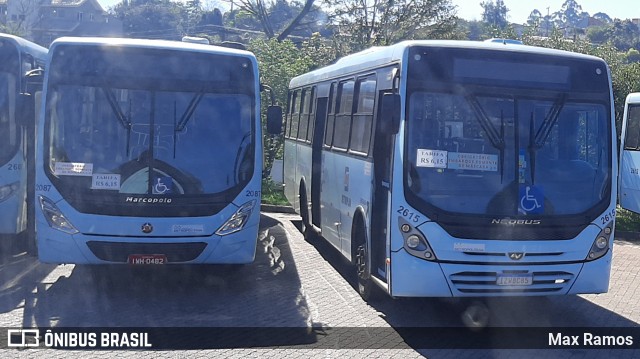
{"x":328,"y":131}
{"x":304,"y":115}
{"x":312,"y":114}
{"x":632,"y":137}
{"x":9,"y":129}
{"x":295,"y":115}
{"x":363,"y":118}
{"x":343,"y":118}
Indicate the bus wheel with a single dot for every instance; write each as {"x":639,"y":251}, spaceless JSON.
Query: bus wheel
{"x":366,"y":287}
{"x":307,"y":232}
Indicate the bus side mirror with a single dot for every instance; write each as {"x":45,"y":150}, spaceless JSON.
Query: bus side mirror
{"x":274,"y":120}
{"x":390,"y":113}
{"x":25,"y":110}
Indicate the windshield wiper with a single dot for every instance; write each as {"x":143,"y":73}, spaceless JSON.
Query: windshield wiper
{"x":124,"y":120}
{"x":186,"y":116}
{"x":496,"y":139}
{"x":549,"y":121}
{"x":536,"y":142}
{"x":493,"y":135}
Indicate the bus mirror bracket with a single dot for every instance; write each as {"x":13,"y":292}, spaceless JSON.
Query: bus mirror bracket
{"x":274,"y":120}
{"x":390,"y":113}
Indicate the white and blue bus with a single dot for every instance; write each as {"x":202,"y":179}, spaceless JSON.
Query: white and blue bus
{"x":149,"y":152}
{"x":458,"y":169}
{"x":19,"y":59}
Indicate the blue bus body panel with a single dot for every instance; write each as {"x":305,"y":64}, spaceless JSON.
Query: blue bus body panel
{"x":12,"y":220}
{"x":58,"y":247}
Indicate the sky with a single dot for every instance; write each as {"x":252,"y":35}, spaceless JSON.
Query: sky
{"x":519,"y":10}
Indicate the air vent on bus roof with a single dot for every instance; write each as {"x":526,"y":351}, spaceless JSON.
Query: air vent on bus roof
{"x":195,"y":40}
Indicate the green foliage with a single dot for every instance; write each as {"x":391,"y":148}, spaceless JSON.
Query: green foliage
{"x":495,"y":14}
{"x":627,"y":220}
{"x":361,"y":24}
{"x":279,"y":62}
{"x":273,"y":193}
{"x":625,"y":76}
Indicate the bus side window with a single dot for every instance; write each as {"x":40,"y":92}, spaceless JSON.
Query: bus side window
{"x":295,"y":114}
{"x":312,"y":115}
{"x":632,"y":137}
{"x":304,"y":115}
{"x":287,"y":133}
{"x":363,"y":117}
{"x":343,"y":116}
{"x":331,"y":116}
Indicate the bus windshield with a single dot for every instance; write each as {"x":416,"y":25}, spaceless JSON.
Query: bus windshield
{"x":9,"y":130}
{"x":138,"y":141}
{"x":481,"y":154}
{"x":505,"y":134}
{"x":125,"y":124}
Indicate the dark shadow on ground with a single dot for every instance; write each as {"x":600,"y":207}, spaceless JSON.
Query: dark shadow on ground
{"x":255,"y":301}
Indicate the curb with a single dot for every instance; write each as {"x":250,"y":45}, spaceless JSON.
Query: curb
{"x":276,"y":209}
{"x":627,"y":236}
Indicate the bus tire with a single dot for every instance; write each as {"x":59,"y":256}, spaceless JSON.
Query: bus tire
{"x":307,"y":232}
{"x":366,"y":287}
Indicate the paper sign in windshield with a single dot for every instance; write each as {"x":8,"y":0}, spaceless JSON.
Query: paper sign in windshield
{"x":109,"y":181}
{"x":73,"y":169}
{"x":473,"y":161}
{"x":431,"y":158}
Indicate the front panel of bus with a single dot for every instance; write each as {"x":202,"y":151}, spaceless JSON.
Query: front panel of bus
{"x":507,"y":181}
{"x":148,"y":155}
{"x":12,"y":150}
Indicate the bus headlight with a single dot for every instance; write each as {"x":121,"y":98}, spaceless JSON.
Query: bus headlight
{"x":600,"y":245}
{"x":237,"y":221}
{"x":54,"y":217}
{"x":415,"y":242}
{"x":8,"y":190}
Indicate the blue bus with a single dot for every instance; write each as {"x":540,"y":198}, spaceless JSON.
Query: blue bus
{"x":149,"y":152}
{"x":19,"y":60}
{"x":458,"y":168}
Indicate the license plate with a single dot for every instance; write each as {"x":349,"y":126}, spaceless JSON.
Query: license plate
{"x":525,"y":279}
{"x":147,"y":259}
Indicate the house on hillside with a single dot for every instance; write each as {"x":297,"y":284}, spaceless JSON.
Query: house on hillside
{"x":73,"y":18}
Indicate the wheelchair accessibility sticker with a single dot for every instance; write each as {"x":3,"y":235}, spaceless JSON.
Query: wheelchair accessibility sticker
{"x":531,"y":199}
{"x":162,"y":185}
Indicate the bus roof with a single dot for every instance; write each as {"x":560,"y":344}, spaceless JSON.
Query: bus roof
{"x":385,"y":55}
{"x":146,"y":43}
{"x":30,"y":47}
{"x":633,"y":98}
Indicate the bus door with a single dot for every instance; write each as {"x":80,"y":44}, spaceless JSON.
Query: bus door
{"x":630,"y":155}
{"x":316,"y":159}
{"x":382,"y":155}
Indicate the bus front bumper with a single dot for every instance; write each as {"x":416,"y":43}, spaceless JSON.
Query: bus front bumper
{"x":414,"y":277}
{"x":61,"y":248}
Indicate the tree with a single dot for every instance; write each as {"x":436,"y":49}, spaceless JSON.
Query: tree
{"x":359,"y":24}
{"x":263,"y":13}
{"x":162,"y":19}
{"x":495,"y":14}
{"x":602,"y":17}
{"x":278,"y":62}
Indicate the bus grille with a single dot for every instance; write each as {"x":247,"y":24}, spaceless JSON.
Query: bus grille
{"x":486,"y":282}
{"x":120,"y":251}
